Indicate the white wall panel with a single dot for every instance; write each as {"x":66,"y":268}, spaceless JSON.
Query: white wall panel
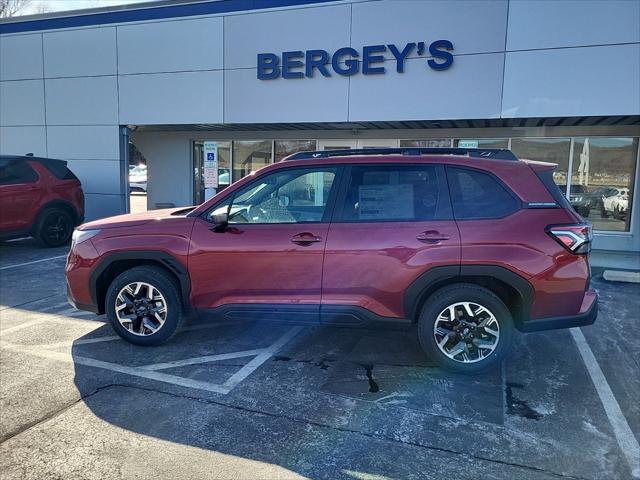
{"x":22,"y":140}
{"x":20,"y":56}
{"x":469,"y":89}
{"x":301,"y":29}
{"x":84,"y":143}
{"x":73,"y":53}
{"x":97,"y":176}
{"x":101,"y":206}
{"x":317,"y":99}
{"x":22,"y":102}
{"x":569,"y":23}
{"x":193,"y":97}
{"x":171,"y":46}
{"x":572,"y":82}
{"x":472,"y":26}
{"x":82,"y":101}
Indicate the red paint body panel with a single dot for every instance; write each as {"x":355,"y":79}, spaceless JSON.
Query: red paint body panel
{"x":371,"y":265}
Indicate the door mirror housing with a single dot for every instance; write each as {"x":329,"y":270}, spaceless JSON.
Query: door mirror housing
{"x":220,"y":219}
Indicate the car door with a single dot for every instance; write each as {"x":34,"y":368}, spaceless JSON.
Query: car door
{"x":268,"y":261}
{"x":18,"y":192}
{"x":391,"y":224}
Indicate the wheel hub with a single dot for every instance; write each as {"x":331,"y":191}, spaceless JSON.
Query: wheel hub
{"x":141,"y":308}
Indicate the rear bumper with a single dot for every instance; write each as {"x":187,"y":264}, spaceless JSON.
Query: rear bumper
{"x":588,"y":314}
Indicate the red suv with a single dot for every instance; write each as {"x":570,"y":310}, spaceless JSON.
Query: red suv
{"x":39,"y":197}
{"x":467,"y":244}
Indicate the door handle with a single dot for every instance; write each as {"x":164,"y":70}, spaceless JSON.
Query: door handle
{"x":305,"y":238}
{"x":432,"y":236}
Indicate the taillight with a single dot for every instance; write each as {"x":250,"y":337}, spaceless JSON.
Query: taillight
{"x":575,"y":237}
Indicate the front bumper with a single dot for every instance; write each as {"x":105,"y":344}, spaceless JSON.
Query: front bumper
{"x":587,"y":316}
{"x":81,"y":306}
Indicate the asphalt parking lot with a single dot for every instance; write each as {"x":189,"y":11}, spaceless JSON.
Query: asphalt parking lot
{"x":265,"y":400}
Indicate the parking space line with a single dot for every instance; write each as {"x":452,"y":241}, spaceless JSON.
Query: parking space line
{"x":20,"y":326}
{"x":250,"y":367}
{"x":625,"y":437}
{"x":203,"y":359}
{"x":32,"y":262}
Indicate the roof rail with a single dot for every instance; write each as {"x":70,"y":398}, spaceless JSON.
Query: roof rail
{"x":492,"y":153}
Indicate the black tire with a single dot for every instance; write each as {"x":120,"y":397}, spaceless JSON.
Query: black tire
{"x":464,"y":292}
{"x":168,"y":288}
{"x":54,"y":227}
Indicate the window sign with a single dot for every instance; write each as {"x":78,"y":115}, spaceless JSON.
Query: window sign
{"x":210,"y":170}
{"x":467,"y":143}
{"x":386,"y":201}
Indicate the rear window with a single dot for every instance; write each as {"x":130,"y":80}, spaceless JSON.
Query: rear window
{"x":59,"y":169}
{"x":475,"y":194}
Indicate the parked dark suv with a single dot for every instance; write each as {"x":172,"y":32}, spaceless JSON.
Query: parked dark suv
{"x":467,"y":244}
{"x":39,"y":197}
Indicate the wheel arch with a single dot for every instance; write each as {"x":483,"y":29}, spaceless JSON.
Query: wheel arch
{"x":514,"y":290}
{"x":116,"y":263}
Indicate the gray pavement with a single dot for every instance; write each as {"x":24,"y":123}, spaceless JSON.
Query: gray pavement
{"x":266,"y":400}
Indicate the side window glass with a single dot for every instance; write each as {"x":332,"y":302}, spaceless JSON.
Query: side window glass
{"x":17,"y":172}
{"x":288,"y":196}
{"x":392,"y":193}
{"x":478,"y":195}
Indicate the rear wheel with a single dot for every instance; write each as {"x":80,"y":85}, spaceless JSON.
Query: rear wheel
{"x":54,"y":227}
{"x":144,"y":305}
{"x":465,"y":328}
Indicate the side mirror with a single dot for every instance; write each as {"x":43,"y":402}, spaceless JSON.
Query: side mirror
{"x":220,"y":221}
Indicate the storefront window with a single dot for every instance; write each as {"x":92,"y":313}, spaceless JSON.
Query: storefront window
{"x":249,"y":156}
{"x":484,"y":142}
{"x":285,"y":148}
{"x":602,"y":178}
{"x":552,"y":150}
{"x":431,"y":142}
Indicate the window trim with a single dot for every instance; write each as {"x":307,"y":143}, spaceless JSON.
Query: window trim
{"x":329,"y":207}
{"x":520,"y":204}
{"x":441,"y":179}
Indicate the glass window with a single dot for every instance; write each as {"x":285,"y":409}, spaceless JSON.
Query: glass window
{"x":486,"y":142}
{"x":16,"y":172}
{"x":284,"y":148}
{"x":478,"y":195}
{"x":391,"y":193}
{"x":249,"y":156}
{"x":432,"y":142}
{"x":602,"y":178}
{"x":287,"y":196}
{"x":553,"y":150}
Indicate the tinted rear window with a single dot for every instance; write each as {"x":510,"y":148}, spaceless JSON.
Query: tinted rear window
{"x":475,"y":194}
{"x":59,"y":169}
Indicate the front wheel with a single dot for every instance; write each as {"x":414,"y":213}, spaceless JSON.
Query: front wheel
{"x":144,"y":305}
{"x":465,"y":328}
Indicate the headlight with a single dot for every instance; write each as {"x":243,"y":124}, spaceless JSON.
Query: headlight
{"x":80,"y":236}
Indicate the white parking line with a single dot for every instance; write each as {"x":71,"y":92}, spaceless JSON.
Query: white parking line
{"x":20,"y":326}
{"x":626,"y":440}
{"x":203,"y":359}
{"x":32,"y":262}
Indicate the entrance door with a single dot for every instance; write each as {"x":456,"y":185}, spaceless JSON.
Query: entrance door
{"x":268,"y":261}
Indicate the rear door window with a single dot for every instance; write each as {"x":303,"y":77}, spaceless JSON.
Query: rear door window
{"x":381,"y":193}
{"x":17,"y":172}
{"x":476,"y":195}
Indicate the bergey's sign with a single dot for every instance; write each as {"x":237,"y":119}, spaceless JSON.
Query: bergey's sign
{"x":347,"y":61}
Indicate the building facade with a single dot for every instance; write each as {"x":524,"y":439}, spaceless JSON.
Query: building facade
{"x":554,"y":81}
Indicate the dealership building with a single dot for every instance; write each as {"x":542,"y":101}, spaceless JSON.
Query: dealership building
{"x":251,"y":81}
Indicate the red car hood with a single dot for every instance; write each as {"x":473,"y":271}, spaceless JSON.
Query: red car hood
{"x":133,"y":219}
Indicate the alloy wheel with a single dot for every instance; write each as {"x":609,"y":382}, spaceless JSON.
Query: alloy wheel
{"x":466,"y":332}
{"x":56,"y":227}
{"x":140,"y":308}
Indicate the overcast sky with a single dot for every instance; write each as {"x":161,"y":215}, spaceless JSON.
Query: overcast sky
{"x":37,"y":6}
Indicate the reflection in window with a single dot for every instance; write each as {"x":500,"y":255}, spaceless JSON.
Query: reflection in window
{"x":284,"y":148}
{"x":553,"y":150}
{"x":487,"y":142}
{"x":602,"y":180}
{"x":429,"y":143}
{"x":249,"y":156}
